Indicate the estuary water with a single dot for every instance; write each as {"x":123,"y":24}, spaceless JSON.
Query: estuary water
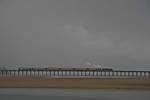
{"x":69,"y":94}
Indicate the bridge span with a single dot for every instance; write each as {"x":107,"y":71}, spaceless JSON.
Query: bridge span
{"x":73,"y":72}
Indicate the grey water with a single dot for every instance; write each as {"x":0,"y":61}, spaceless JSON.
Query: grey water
{"x":70,"y":94}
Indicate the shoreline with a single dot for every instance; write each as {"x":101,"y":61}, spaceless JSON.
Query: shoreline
{"x":76,"y":83}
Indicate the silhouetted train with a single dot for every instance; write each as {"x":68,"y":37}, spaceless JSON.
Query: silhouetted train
{"x":64,"y":69}
{"x":32,"y":69}
{"x":105,"y":69}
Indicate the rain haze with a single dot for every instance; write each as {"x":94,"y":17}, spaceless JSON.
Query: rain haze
{"x":75,"y":32}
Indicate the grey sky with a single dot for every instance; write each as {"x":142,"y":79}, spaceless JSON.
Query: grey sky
{"x":74,"y":32}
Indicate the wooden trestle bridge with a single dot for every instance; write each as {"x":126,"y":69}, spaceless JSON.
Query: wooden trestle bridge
{"x":72,"y":72}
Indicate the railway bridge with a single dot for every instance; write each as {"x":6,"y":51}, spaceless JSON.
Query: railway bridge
{"x":73,"y":72}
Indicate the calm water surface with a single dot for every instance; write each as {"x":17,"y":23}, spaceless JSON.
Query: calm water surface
{"x":64,"y":94}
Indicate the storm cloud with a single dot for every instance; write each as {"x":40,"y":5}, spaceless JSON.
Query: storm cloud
{"x":74,"y":32}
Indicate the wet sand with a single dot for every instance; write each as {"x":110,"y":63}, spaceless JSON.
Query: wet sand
{"x":76,"y":83}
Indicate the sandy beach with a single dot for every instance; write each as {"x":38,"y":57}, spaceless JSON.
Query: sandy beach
{"x":75,"y":83}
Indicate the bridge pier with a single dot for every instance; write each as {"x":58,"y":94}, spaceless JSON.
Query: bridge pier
{"x":66,"y":73}
{"x":7,"y":73}
{"x":26,"y":73}
{"x":113,"y":73}
{"x":148,"y":74}
{"x":54,"y":73}
{"x":45,"y":73}
{"x":78,"y":73}
{"x":0,"y":73}
{"x":50,"y":73}
{"x":62,"y":73}
{"x":85,"y":73}
{"x":34,"y":73}
{"x":140,"y":74}
{"x":30,"y":73}
{"x":125,"y":74}
{"x":22,"y":72}
{"x":144,"y":74}
{"x":89,"y":74}
{"x":37,"y":73}
{"x":109,"y":73}
{"x":97,"y":73}
{"x":14,"y":73}
{"x":74,"y":73}
{"x":81,"y":72}
{"x":128,"y":74}
{"x":135,"y":74}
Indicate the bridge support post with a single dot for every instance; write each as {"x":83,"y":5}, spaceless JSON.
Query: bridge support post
{"x":132,"y":73}
{"x":148,"y":73}
{"x":38,"y":74}
{"x":49,"y":72}
{"x":112,"y":73}
{"x":9,"y":73}
{"x":105,"y":73}
{"x":74,"y":73}
{"x":109,"y":73}
{"x":22,"y":73}
{"x":136,"y":74}
{"x":97,"y":73}
{"x":26,"y":73}
{"x":34,"y":73}
{"x":62,"y":73}
{"x":128,"y":74}
{"x":93,"y":73}
{"x":85,"y":73}
{"x":45,"y":73}
{"x":58,"y":72}
{"x":6,"y":73}
{"x":69,"y":73}
{"x":30,"y":73}
{"x":140,"y":74}
{"x":14,"y":73}
{"x":0,"y":73}
{"x":121,"y":74}
{"x":54,"y":73}
{"x":100,"y":73}
{"x":65,"y":73}
{"x":144,"y":74}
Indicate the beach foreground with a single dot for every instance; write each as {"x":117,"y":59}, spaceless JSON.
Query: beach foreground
{"x":75,"y":83}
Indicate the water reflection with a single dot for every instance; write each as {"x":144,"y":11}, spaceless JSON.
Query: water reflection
{"x":64,"y":94}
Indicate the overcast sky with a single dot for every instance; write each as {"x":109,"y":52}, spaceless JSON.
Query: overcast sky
{"x":75,"y":32}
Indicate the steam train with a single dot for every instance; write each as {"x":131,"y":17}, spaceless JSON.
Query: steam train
{"x":64,"y":69}
{"x":32,"y":69}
